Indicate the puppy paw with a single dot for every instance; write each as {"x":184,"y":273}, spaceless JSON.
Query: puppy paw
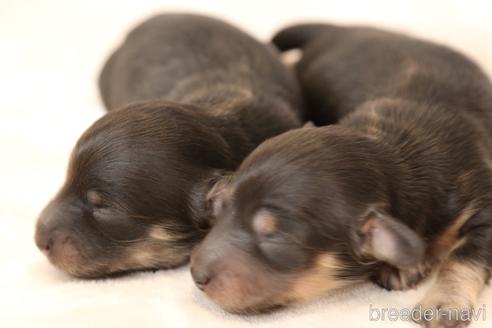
{"x":443,"y":313}
{"x":391,"y":278}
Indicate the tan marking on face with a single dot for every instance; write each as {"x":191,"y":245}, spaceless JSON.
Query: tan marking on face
{"x":158,"y":251}
{"x":317,"y":281}
{"x":264,"y":223}
{"x":148,"y":255}
{"x":142,"y":256}
{"x":161,"y":234}
{"x":457,"y":288}
{"x":242,"y":284}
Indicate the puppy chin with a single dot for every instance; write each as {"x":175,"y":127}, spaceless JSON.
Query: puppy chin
{"x":245,"y":291}
{"x":234,"y":300}
{"x":66,"y":257}
{"x":239,"y":293}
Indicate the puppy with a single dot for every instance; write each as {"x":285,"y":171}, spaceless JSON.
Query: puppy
{"x":194,"y":96}
{"x":401,"y":187}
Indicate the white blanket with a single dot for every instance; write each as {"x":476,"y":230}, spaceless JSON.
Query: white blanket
{"x":50,"y":55}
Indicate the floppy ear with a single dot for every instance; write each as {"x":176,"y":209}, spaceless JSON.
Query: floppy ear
{"x":215,"y":195}
{"x":379,"y":236}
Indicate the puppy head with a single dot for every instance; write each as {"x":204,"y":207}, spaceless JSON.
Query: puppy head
{"x":295,"y":222}
{"x":135,"y":191}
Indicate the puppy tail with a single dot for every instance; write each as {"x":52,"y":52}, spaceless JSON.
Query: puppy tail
{"x":297,"y":36}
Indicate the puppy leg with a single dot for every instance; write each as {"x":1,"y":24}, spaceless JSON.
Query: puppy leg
{"x":461,"y":278}
{"x":452,"y":300}
{"x":392,"y":278}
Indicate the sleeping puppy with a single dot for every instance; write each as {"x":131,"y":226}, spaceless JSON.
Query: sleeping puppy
{"x":401,"y":187}
{"x":198,"y":95}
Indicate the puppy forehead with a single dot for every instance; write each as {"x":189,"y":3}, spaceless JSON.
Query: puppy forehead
{"x":162,"y":234}
{"x":249,"y":193}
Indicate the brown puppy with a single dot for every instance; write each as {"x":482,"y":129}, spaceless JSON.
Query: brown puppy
{"x":400,"y":187}
{"x":135,"y":196}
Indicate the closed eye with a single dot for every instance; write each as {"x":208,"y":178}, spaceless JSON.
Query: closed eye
{"x":281,"y":253}
{"x":102,"y":214}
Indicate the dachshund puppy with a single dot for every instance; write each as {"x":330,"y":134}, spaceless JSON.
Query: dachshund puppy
{"x":197,"y":95}
{"x":400,"y":187}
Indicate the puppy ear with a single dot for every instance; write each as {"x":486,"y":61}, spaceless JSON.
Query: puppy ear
{"x":379,"y":236}
{"x":216,"y":194}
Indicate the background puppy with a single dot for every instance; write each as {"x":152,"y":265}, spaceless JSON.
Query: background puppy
{"x":135,"y":196}
{"x":399,"y":187}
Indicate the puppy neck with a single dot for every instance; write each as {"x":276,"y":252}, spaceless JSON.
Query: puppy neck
{"x":416,"y":171}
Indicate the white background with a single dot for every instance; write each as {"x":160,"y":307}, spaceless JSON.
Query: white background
{"x":50,"y":56}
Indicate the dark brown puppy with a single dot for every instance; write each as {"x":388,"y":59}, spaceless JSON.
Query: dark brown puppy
{"x":135,"y":196}
{"x":401,"y":186}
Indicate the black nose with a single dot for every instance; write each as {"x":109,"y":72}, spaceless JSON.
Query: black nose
{"x":201,"y":278}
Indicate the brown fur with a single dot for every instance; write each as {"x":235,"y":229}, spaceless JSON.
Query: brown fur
{"x":401,"y":184}
{"x":189,"y":97}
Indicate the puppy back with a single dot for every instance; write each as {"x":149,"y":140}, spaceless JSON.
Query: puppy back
{"x":195,"y":59}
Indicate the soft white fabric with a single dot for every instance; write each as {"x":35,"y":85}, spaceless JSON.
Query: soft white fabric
{"x":50,"y":55}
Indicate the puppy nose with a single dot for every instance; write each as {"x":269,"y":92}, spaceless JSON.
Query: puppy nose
{"x":201,"y":278}
{"x":44,"y":243}
{"x":47,"y":248}
{"x":45,"y":239}
{"x":44,"y":236}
